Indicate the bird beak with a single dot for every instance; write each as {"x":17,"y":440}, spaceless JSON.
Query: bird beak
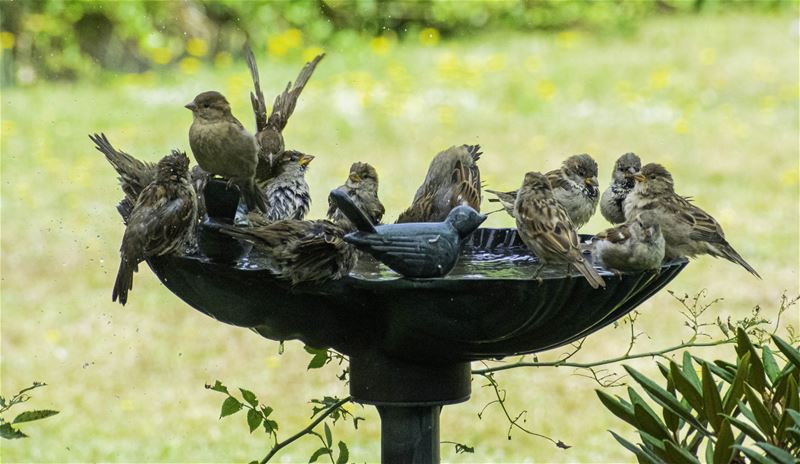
{"x":305,"y":159}
{"x":354,"y":178}
{"x":639,"y":177}
{"x":591,"y":181}
{"x":192,"y":106}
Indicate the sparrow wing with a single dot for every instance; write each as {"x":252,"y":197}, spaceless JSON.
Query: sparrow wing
{"x":704,"y":227}
{"x":257,"y":100}
{"x":133,"y":175}
{"x":552,"y":226}
{"x":615,"y":234}
{"x":557,"y":180}
{"x":466,"y":191}
{"x":285,"y":103}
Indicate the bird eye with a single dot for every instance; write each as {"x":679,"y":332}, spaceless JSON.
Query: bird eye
{"x":652,"y":177}
{"x":205,"y":105}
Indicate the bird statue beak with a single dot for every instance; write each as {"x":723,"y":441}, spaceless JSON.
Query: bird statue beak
{"x":305,"y":159}
{"x":639,"y":177}
{"x":354,"y":178}
{"x":192,"y":106}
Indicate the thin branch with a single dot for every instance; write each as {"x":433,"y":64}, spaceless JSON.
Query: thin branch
{"x":308,"y":430}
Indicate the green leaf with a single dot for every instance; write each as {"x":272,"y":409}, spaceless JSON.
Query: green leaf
{"x":734,"y":393}
{"x":218,"y":387}
{"x":724,"y":451}
{"x":249,"y":396}
{"x":270,"y":426}
{"x":266,"y":410}
{"x":792,"y":402}
{"x":779,"y":454}
{"x":230,"y":406}
{"x":319,"y":359}
{"x":791,"y":352}
{"x":688,"y":370}
{"x":743,"y":344}
{"x":663,"y":398}
{"x":254,"y":419}
{"x":762,"y":415}
{"x":28,"y":416}
{"x":711,"y":399}
{"x":770,"y":365}
{"x":618,"y":407}
{"x":328,"y":437}
{"x":748,"y":429}
{"x":718,"y":371}
{"x":795,"y":416}
{"x":710,"y":452}
{"x":344,"y":454}
{"x":640,"y":455}
{"x":9,"y":432}
{"x":679,"y":455}
{"x":687,"y":388}
{"x":754,"y":455}
{"x":649,"y":422}
{"x":318,"y":453}
{"x":653,"y":445}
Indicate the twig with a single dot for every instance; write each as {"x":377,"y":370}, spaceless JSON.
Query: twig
{"x":308,"y":430}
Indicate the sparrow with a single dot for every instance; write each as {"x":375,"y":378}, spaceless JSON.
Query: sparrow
{"x":301,"y":251}
{"x":637,"y":245}
{"x":574,"y":186}
{"x":688,"y":230}
{"x":422,"y":249}
{"x":223,"y":147}
{"x":161,"y":221}
{"x":269,"y":130}
{"x":287,"y":191}
{"x":134,"y":175}
{"x":621,"y":184}
{"x":362,"y":187}
{"x":545,"y":227}
{"x":453,"y":179}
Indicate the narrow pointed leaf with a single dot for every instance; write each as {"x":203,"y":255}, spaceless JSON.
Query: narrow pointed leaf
{"x":770,"y":365}
{"x":711,"y":399}
{"x":791,"y":352}
{"x":663,"y":398}
{"x":328,"y":437}
{"x":760,"y":412}
{"x":743,"y":344}
{"x":8,"y":432}
{"x":778,"y":454}
{"x":724,"y":450}
{"x":616,"y":406}
{"x":710,"y":452}
{"x":28,"y":416}
{"x":650,"y":422}
{"x":317,"y":454}
{"x":218,"y":387}
{"x":344,"y":454}
{"x":687,"y":388}
{"x":748,"y":429}
{"x":735,"y":392}
{"x":654,"y":445}
{"x":718,"y":371}
{"x":688,"y":370}
{"x":679,"y":455}
{"x":754,"y":455}
{"x":795,"y":415}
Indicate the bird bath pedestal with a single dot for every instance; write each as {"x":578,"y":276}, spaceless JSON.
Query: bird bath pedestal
{"x":410,"y":341}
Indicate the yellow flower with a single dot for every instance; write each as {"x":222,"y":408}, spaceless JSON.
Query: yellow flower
{"x":197,"y":47}
{"x":160,"y":55}
{"x":293,"y":37}
{"x":497,"y":62}
{"x":6,"y":39}
{"x":567,"y":39}
{"x":545,"y":89}
{"x":681,"y":126}
{"x":429,"y":37}
{"x":380,"y":45}
{"x":189,"y":65}
{"x":311,"y":52}
{"x":223,"y":59}
{"x":790,"y":177}
{"x":659,"y":79}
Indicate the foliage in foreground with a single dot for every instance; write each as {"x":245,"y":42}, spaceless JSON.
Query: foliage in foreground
{"x":7,"y":429}
{"x":748,"y":408}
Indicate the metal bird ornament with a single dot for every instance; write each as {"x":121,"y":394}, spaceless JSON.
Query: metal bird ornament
{"x":416,"y":249}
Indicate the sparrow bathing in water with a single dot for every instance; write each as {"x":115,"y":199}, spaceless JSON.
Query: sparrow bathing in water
{"x":688,"y":230}
{"x":621,"y":184}
{"x":362,"y":187}
{"x":453,"y":179}
{"x":287,"y":191}
{"x":269,"y":130}
{"x":574,"y":186}
{"x":161,"y":222}
{"x":635,"y":246}
{"x":544,"y":226}
{"x":223,"y":147}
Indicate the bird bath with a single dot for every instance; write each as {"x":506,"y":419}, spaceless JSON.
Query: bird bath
{"x":410,"y":341}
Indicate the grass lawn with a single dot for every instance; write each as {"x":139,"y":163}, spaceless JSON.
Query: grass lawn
{"x":715,"y":99}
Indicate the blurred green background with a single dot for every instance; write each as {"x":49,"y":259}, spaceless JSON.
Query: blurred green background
{"x":708,"y":88}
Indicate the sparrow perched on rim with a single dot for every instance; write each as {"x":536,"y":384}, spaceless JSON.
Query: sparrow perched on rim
{"x":301,"y":251}
{"x":688,"y":230}
{"x":544,"y":226}
{"x":621,"y":184}
{"x":134,"y":175}
{"x":223,"y":147}
{"x":637,"y":245}
{"x":574,"y":186}
{"x":362,"y":187}
{"x":453,"y":179}
{"x":161,"y":222}
{"x":269,"y":130}
{"x":287,"y":191}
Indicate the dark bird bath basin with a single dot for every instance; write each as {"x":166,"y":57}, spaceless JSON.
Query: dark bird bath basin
{"x":410,"y":341}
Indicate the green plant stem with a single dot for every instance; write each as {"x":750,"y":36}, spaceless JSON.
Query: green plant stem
{"x":565,"y":363}
{"x":305,"y":431}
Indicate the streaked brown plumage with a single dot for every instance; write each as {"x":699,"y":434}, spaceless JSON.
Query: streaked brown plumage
{"x":287,"y":191}
{"x":453,"y":179}
{"x":688,"y":230}
{"x":161,"y":221}
{"x":637,"y":245}
{"x":223,"y":147}
{"x":362,"y":187}
{"x":269,"y":130}
{"x":574,"y":186}
{"x":301,"y":251}
{"x":547,"y":230}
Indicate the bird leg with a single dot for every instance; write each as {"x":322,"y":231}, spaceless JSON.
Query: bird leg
{"x":536,"y":272}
